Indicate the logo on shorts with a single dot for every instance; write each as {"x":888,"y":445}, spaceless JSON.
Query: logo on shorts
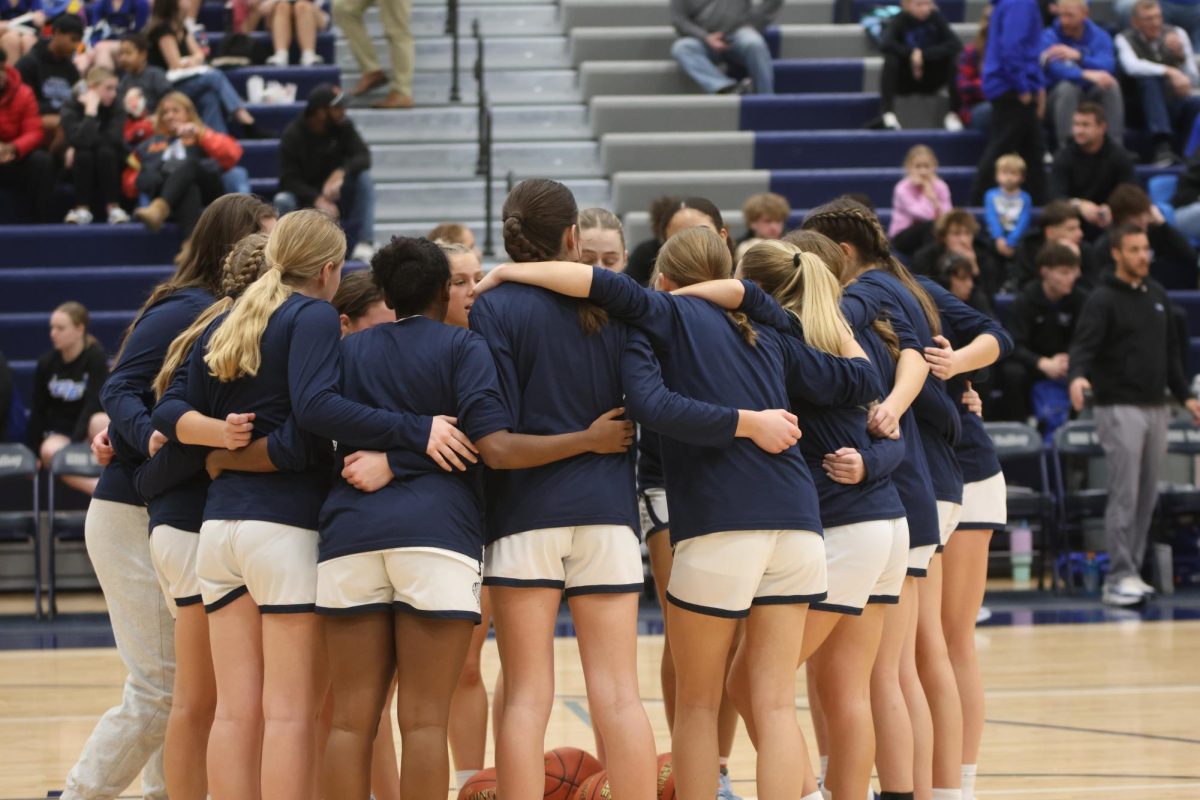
{"x":475,"y":587}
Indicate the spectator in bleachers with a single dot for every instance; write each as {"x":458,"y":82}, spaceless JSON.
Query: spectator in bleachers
{"x":920,"y":197}
{"x":641,"y":260}
{"x":171,"y":47}
{"x":958,"y":275}
{"x":111,"y":21}
{"x":1080,"y":65}
{"x":1059,"y":223}
{"x":1125,"y":352}
{"x":1160,"y":62}
{"x":149,"y":80}
{"x":1006,"y":208}
{"x":95,"y":131}
{"x":920,"y":56}
{"x":283,"y":18}
{"x":1042,"y":321}
{"x":601,"y":240}
{"x":180,"y":167}
{"x":25,"y":169}
{"x":324,"y":164}
{"x":974,"y":108}
{"x":50,"y":72}
{"x":455,"y":233}
{"x":957,"y":231}
{"x":713,"y":32}
{"x":1171,"y":253}
{"x":1013,"y":84}
{"x":65,"y":406}
{"x":396,"y":16}
{"x":1186,"y":199}
{"x":1089,"y":167}
{"x":17,"y":40}
{"x":765,"y":216}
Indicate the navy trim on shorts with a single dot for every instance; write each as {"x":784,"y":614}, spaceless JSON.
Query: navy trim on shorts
{"x":834,"y":608}
{"x":190,"y":600}
{"x":470,"y":616}
{"x":226,"y":600}
{"x":656,"y":524}
{"x":707,"y":611}
{"x":327,"y":611}
{"x":980,"y":526}
{"x":519,"y":583}
{"x":293,"y":608}
{"x":789,"y":599}
{"x":916,"y":572}
{"x":883,"y":599}
{"x":603,"y":588}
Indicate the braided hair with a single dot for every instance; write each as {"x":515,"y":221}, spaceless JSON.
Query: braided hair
{"x":536,"y":214}
{"x":849,"y":222}
{"x":242,"y":267}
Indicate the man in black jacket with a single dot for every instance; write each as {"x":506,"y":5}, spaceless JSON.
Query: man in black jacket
{"x":1125,"y":353}
{"x":920,"y":56}
{"x":1042,"y":321}
{"x":1087,"y":169}
{"x":324,"y":164}
{"x":48,"y":69}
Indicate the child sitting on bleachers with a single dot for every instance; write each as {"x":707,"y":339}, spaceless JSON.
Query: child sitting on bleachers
{"x":765,"y":215}
{"x":918,"y":199}
{"x":304,"y":18}
{"x":920,"y":56}
{"x":94,"y":126}
{"x":1008,"y":209}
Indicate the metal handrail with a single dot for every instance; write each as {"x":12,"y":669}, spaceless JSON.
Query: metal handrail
{"x":489,"y":246}
{"x":452,"y":32}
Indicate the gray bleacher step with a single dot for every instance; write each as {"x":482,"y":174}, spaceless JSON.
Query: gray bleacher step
{"x":494,"y":19}
{"x":635,"y":152}
{"x":504,"y":86}
{"x":499,"y":52}
{"x":634,"y":114}
{"x":459,"y":123}
{"x":422,"y":200}
{"x":591,"y":13}
{"x":663,"y":76}
{"x":456,"y":161}
{"x":653,"y":42}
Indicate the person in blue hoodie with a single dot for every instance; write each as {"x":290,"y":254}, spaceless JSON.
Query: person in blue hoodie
{"x":1080,"y":64}
{"x":1013,"y":84}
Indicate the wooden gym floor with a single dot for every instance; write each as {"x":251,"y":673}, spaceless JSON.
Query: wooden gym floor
{"x":1105,"y":710}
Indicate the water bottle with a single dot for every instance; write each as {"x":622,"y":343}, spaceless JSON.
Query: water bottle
{"x":1091,"y":574}
{"x":1021,"y":552}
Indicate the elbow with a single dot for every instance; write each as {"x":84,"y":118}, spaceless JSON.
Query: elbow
{"x":494,"y":454}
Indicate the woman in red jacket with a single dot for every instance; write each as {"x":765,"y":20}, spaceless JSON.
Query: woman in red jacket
{"x":24,"y":168}
{"x":180,"y":166}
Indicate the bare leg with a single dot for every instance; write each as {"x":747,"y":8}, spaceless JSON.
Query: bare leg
{"x":607,"y":636}
{"x":281,"y":25}
{"x":843,"y":678}
{"x":774,"y":636}
{"x":727,"y":719}
{"x":51,"y":445}
{"x":192,"y":707}
{"x":429,"y":658}
{"x":965,"y":560}
{"x":937,"y":678}
{"x":914,"y":697}
{"x":235,"y":742}
{"x":385,"y":769}
{"x":893,"y":726}
{"x":306,"y":24}
{"x":361,"y":668}
{"x":294,"y":687}
{"x":469,"y":708}
{"x":661,"y":555}
{"x":525,"y":634}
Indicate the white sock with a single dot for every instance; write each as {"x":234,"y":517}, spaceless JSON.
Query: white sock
{"x":968,"y":781}
{"x":947,"y":794}
{"x":464,"y":775}
{"x":824,"y":770}
{"x":813,"y":796}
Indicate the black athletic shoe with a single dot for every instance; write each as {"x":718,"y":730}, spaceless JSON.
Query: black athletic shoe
{"x":1164,"y":156}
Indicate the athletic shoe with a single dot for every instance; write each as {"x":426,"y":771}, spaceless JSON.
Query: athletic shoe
{"x":984,"y":615}
{"x":117,"y":216}
{"x":1146,"y":588}
{"x":363,"y":251}
{"x":952,"y":122}
{"x":890,"y":121}
{"x":744,"y":86}
{"x":1124,"y":592}
{"x":278,"y":59}
{"x":310,"y":59}
{"x":725,"y":789}
{"x":78,"y":216}
{"x":1164,"y":156}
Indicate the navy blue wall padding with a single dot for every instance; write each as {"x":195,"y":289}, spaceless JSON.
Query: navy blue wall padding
{"x":801,"y":76}
{"x":325,"y":42}
{"x":305,"y":78}
{"x":261,"y":158}
{"x":97,"y":245}
{"x":212,"y":16}
{"x":275,"y":118}
{"x":26,"y":335}
{"x":837,"y":149}
{"x":816,"y":112}
{"x":108,"y":289}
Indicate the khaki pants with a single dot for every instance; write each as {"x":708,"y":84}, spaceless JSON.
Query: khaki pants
{"x":348,"y":14}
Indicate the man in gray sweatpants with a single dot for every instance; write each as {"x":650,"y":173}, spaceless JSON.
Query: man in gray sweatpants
{"x":1125,"y":351}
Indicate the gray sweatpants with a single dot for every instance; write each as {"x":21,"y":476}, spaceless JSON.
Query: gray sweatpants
{"x":129,"y":736}
{"x":1134,"y":439}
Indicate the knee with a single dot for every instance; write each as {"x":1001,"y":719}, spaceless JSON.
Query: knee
{"x":471,"y":676}
{"x":684,"y":47}
{"x":49,"y":447}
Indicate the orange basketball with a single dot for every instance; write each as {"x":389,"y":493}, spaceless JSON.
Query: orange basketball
{"x":566,"y":769}
{"x":481,"y":786}
{"x":595,"y":787}
{"x":666,"y":781}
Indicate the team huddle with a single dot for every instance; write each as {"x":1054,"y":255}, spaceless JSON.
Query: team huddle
{"x":331,"y":519}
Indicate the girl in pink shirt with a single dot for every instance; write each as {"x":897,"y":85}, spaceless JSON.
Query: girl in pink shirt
{"x":921,"y":196}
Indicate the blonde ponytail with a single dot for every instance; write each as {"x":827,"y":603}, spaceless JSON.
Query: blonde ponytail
{"x":298,"y":249}
{"x":804,"y":285}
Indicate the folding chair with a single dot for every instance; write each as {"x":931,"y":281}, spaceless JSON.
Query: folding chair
{"x":1076,"y":446}
{"x":19,"y":527}
{"x":66,"y":526}
{"x":1023,"y":460}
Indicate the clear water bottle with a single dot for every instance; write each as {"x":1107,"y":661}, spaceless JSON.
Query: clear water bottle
{"x":1021,"y":552}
